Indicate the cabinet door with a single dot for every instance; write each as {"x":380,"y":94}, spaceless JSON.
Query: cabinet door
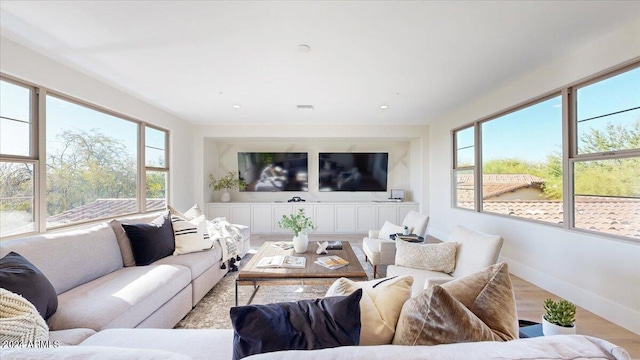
{"x":404,"y":209}
{"x":345,"y":218}
{"x":278,"y":211}
{"x":366,"y":218}
{"x":217,"y":210}
{"x":240,"y":214}
{"x":261,"y":219}
{"x":387,"y":213}
{"x":324,"y":218}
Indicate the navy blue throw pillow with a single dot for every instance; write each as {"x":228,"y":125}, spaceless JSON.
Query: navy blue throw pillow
{"x":302,"y":325}
{"x":20,"y":276}
{"x":152,"y":241}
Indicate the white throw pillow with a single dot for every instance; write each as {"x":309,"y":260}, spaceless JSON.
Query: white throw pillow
{"x":388,"y":229}
{"x":380,"y":305}
{"x":190,"y":214}
{"x":435,"y":257}
{"x":190,"y":235}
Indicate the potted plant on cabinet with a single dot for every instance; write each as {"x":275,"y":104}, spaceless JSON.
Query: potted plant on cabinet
{"x":300,"y":224}
{"x":559,"y":318}
{"x":226,"y":183}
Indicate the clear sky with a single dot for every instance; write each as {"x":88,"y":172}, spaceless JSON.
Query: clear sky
{"x":536,"y":131}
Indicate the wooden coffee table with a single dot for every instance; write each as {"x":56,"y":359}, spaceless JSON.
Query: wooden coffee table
{"x":312,"y":274}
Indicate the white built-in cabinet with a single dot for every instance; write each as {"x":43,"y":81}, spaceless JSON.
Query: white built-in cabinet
{"x":342,"y":217}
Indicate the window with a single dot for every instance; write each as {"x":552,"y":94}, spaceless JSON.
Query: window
{"x":94,"y":164}
{"x":522,"y":162}
{"x":606,"y":156}
{"x":464,"y":168}
{"x":156,"y":168}
{"x":17,"y":159}
{"x":571,"y":159}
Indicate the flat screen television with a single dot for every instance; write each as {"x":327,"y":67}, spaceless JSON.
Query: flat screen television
{"x":273,"y":171}
{"x":353,"y":171}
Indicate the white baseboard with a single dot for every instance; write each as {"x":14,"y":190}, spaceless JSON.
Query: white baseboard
{"x":614,"y":312}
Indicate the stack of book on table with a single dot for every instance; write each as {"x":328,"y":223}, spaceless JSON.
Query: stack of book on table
{"x":284,"y":245}
{"x":332,"y":262}
{"x":282,"y":261}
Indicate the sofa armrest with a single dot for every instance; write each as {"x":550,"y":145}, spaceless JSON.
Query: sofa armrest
{"x":387,"y":252}
{"x":374,"y":234}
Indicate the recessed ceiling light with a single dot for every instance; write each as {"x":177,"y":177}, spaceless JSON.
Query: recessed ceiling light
{"x":235,"y":106}
{"x":304,"y":107}
{"x":383,"y":107}
{"x":304,"y":48}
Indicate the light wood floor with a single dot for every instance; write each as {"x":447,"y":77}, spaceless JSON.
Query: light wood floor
{"x":529,"y":300}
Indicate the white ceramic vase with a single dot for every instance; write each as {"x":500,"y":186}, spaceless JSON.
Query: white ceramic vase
{"x":549,"y":329}
{"x":301,"y":243}
{"x":226,"y":196}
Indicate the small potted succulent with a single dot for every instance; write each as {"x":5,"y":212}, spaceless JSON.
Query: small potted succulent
{"x":300,"y":224}
{"x":559,"y":318}
{"x":226,"y":183}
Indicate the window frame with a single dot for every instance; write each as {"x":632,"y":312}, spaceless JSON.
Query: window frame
{"x":34,"y":148}
{"x":570,"y":154}
{"x":38,"y":152}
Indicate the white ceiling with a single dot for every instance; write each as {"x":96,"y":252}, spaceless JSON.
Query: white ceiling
{"x":195,"y":59}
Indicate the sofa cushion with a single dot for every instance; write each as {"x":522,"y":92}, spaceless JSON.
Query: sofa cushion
{"x":301,"y":325}
{"x":190,"y":235}
{"x":151,"y":241}
{"x":70,"y":258}
{"x":20,"y":320}
{"x":123,"y":242}
{"x":434,"y":257}
{"x":90,"y":352}
{"x":123,"y":298}
{"x":380,"y":305}
{"x":543,"y":347}
{"x":419,"y":276}
{"x":19,"y":276}
{"x":197,"y":262}
{"x":389,"y":228}
{"x":437,"y":317}
{"x":204,"y":344}
{"x":70,"y":336}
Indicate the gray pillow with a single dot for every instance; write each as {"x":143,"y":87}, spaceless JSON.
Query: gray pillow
{"x":302,"y":325}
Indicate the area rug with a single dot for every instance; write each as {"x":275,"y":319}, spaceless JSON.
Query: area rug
{"x":212,"y":312}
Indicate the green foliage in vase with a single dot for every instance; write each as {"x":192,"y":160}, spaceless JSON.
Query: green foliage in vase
{"x":561,"y":313}
{"x":229,"y":181}
{"x":298,"y":222}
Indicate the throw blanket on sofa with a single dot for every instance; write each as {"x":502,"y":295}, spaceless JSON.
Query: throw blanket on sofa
{"x":228,"y":235}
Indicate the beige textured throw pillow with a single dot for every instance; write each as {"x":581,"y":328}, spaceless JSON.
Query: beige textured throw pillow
{"x":123,"y":243}
{"x":380,"y":305}
{"x":388,"y":229}
{"x":20,"y":320}
{"x":479,"y":307}
{"x":190,"y":235}
{"x":434,"y":257}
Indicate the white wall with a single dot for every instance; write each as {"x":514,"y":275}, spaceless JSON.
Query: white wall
{"x":23,"y":63}
{"x":598,"y":273}
{"x":217,"y":147}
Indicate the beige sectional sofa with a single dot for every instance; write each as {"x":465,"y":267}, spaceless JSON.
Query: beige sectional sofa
{"x":96,"y":291}
{"x":218,"y":344}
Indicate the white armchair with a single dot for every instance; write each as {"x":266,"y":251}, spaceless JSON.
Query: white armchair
{"x":382,"y":251}
{"x":474,"y":252}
